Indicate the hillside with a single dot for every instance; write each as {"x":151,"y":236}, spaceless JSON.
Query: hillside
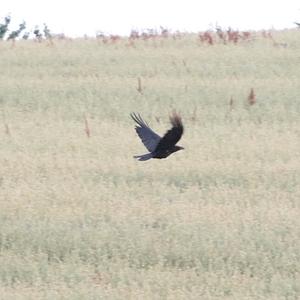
{"x":81,"y":219}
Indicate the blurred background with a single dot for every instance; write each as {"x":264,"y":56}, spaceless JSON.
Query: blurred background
{"x":120,"y":17}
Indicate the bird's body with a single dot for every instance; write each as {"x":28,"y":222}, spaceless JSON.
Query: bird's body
{"x":159,"y":147}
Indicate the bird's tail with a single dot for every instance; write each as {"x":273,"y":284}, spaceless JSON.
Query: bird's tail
{"x":143,"y":157}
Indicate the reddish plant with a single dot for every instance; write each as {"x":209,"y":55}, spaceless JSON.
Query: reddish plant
{"x":134,"y":35}
{"x":7,"y":131}
{"x":209,"y":38}
{"x":114,"y":38}
{"x":221,"y":34}
{"x":206,"y":37}
{"x":252,"y":97}
{"x":87,"y":127}
{"x":139,"y":88}
{"x":233,"y":36}
{"x":231,"y":103}
{"x":246,"y":35}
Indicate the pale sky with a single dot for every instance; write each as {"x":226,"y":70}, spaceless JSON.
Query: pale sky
{"x":77,"y":17}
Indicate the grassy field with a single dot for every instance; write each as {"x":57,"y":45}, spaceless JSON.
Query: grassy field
{"x":81,"y":219}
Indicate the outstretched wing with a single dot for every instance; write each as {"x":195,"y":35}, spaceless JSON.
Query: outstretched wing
{"x":149,"y":138}
{"x":173,"y":135}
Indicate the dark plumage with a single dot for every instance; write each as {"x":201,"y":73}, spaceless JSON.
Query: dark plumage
{"x":159,"y":147}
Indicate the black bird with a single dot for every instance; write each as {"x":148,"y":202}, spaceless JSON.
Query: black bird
{"x":159,"y":147}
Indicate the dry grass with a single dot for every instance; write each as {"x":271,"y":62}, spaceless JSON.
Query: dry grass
{"x":80,"y":219}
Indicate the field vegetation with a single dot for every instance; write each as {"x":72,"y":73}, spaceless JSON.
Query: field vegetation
{"x":81,"y":219}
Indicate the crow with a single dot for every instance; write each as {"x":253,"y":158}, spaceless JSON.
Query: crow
{"x":159,"y":147}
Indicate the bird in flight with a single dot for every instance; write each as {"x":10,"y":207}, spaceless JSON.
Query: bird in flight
{"x":159,"y":147}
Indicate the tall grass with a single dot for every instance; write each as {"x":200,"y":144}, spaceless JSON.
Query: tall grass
{"x":81,"y":219}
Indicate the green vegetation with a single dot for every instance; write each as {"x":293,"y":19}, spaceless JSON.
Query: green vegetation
{"x":7,"y":33}
{"x":81,"y":219}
